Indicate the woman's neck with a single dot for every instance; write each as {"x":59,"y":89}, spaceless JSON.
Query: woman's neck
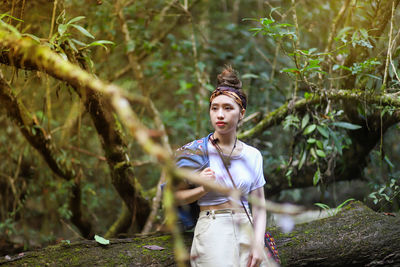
{"x":225,"y":139}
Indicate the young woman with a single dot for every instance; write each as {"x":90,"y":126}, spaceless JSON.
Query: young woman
{"x":224,"y":235}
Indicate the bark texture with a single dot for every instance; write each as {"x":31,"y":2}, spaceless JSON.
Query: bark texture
{"x":357,"y":236}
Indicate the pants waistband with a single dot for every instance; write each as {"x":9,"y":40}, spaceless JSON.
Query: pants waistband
{"x":221,"y":211}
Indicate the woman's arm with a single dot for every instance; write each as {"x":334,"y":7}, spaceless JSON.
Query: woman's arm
{"x":259,"y":221}
{"x":187,"y":196}
{"x":184,"y":195}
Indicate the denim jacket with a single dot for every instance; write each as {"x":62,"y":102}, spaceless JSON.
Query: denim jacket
{"x":193,"y":155}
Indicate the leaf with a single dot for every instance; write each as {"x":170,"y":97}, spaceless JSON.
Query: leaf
{"x":312,"y":151}
{"x":338,"y":144}
{"x":391,"y":165}
{"x":320,"y":145}
{"x":311,"y":140}
{"x":76,"y":19}
{"x":10,"y":28}
{"x":249,"y":76}
{"x":346,"y":125}
{"x":305,"y":121}
{"x":309,"y":129}
{"x":82,"y":30}
{"x":9,"y":16}
{"x":307,"y":95}
{"x":323,"y":131}
{"x":78,"y":42}
{"x":62,"y":28}
{"x":344,"y":203}
{"x":153,"y":247}
{"x":72,"y":45}
{"x":293,"y":70}
{"x":316,"y":177}
{"x":303,"y":159}
{"x":101,"y":240}
{"x":322,"y":206}
{"x":101,"y":43}
{"x":31,"y":36}
{"x":320,"y":153}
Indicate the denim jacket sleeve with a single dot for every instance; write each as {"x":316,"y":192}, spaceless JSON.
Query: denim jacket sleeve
{"x":193,"y":155}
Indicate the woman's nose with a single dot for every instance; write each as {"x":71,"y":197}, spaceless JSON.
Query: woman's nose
{"x":220,"y":113}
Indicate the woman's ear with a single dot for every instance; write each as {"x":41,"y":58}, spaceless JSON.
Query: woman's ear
{"x":241,"y":115}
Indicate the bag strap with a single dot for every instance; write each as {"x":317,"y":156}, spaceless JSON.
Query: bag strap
{"x":214,"y":142}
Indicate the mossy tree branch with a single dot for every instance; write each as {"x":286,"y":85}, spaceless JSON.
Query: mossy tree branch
{"x":24,"y":53}
{"x":351,"y":164}
{"x":275,"y":117}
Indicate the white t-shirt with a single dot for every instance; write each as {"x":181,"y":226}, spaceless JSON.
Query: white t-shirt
{"x":246,"y":170}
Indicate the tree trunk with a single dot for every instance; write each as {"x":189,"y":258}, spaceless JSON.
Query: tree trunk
{"x":357,"y":236}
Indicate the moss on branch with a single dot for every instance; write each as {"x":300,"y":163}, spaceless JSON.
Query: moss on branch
{"x":277,"y":116}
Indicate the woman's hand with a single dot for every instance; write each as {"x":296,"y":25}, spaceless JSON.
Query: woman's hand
{"x":256,"y":256}
{"x":207,"y":174}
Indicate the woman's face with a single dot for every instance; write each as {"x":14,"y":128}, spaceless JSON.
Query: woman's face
{"x":225,"y":114}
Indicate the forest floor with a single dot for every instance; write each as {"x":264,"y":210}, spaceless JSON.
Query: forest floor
{"x":120,"y":252}
{"x":356,"y":235}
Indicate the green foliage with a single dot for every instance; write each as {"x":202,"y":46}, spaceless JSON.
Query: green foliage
{"x":386,"y":193}
{"x":333,"y":212}
{"x":7,"y":227}
{"x":269,"y":27}
{"x":64,"y":39}
{"x":322,"y":136}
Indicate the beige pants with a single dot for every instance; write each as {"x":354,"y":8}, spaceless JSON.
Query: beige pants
{"x":221,"y":239}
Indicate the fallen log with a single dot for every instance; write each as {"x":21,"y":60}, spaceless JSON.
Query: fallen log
{"x":356,"y":236}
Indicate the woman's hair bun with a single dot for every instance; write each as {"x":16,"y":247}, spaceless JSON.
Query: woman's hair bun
{"x":229,"y":77}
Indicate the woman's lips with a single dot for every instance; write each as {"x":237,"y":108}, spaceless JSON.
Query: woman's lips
{"x":220,"y":123}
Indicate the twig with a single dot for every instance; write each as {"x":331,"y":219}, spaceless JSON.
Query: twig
{"x":391,"y":60}
{"x":258,"y":50}
{"x":383,"y":88}
{"x":156,"y":204}
{"x":296,"y":48}
{"x":336,"y":21}
{"x":180,"y":252}
{"x":21,"y":15}
{"x":84,"y":151}
{"x":53,"y":18}
{"x":388,"y":51}
{"x":12,"y":12}
{"x":251,"y":116}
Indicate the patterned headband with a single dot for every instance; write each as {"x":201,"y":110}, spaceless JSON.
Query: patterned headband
{"x":227,"y":92}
